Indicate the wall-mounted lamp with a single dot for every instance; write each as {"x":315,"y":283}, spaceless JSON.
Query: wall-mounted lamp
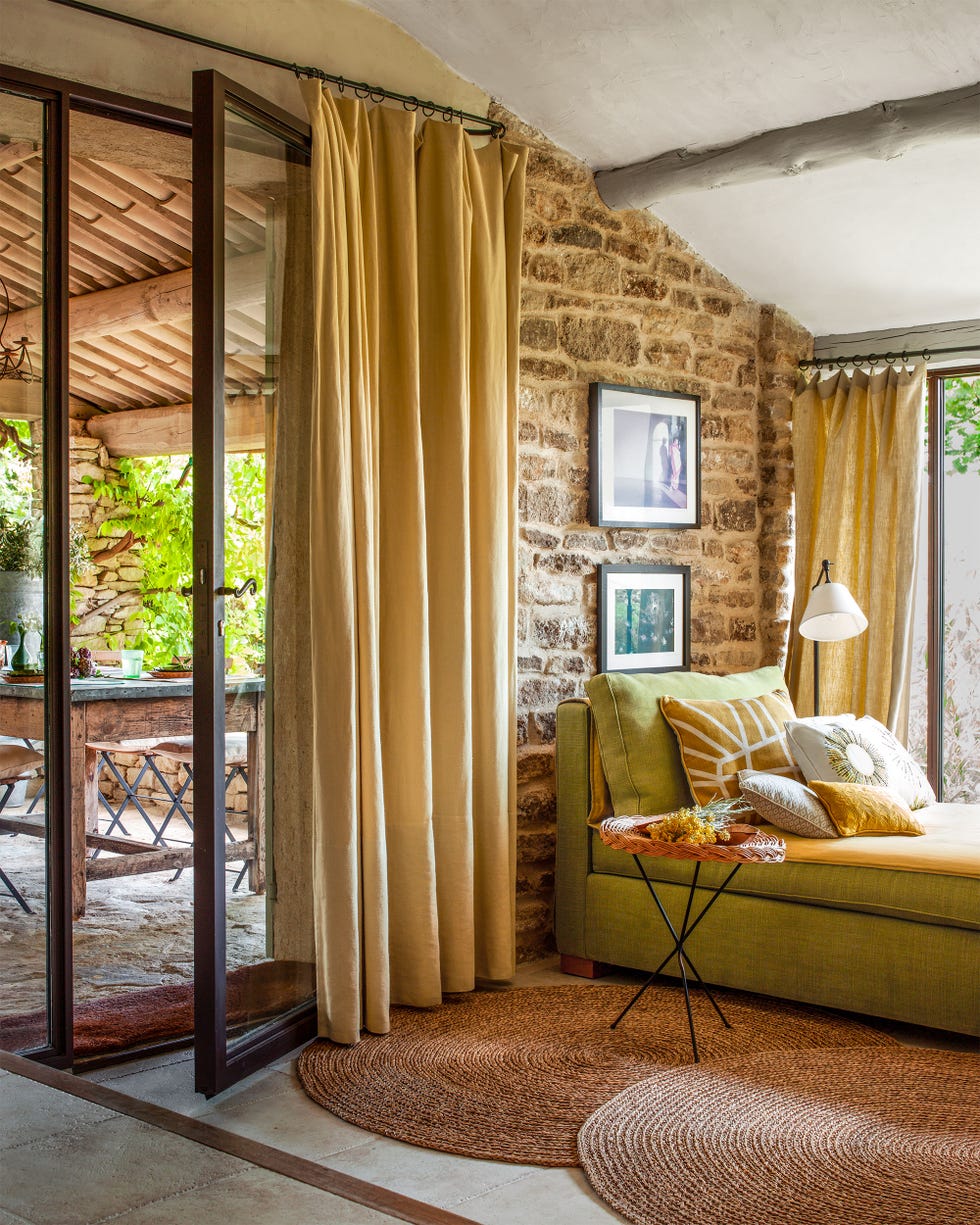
{"x":832,"y":614}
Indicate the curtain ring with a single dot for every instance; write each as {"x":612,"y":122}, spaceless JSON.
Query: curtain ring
{"x":926,"y":355}
{"x":890,"y":359}
{"x":377,"y":96}
{"x":341,"y":84}
{"x":411,"y":104}
{"x":873,"y":360}
{"x":427,"y":111}
{"x":841,"y":363}
{"x":905,"y":358}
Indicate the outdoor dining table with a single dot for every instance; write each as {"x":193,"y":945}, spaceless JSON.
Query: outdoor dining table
{"x":113,"y":709}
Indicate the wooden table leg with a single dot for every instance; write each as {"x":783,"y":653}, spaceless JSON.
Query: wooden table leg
{"x":255,"y":768}
{"x":84,"y":803}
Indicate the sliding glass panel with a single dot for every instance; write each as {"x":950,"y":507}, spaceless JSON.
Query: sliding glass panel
{"x":961,"y":606}
{"x":27,"y":917}
{"x":255,"y":965}
{"x":131,"y":515}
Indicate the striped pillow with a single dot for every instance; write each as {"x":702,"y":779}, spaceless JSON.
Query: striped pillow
{"x":717,"y":739}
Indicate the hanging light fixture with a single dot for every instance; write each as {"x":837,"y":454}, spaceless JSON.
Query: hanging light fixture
{"x":15,"y":359}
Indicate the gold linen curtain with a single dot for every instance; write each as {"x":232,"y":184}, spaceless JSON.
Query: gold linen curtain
{"x":858,"y":459}
{"x":412,"y":508}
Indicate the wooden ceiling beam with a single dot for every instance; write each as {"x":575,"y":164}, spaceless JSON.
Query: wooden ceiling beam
{"x":162,"y":299}
{"x":879,"y":133}
{"x":142,"y":432}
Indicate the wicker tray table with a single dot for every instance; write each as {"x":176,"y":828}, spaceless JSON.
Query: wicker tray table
{"x":747,"y":845}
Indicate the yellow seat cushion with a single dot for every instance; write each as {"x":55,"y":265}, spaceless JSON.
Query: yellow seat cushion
{"x":857,"y":809}
{"x":718,"y":739}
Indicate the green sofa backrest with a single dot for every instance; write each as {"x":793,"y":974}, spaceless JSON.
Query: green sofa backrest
{"x":640,"y":757}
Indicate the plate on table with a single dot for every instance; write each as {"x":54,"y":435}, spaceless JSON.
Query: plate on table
{"x":170,"y":674}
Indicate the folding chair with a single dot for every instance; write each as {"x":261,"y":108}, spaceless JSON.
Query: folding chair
{"x":16,"y":763}
{"x":180,"y":750}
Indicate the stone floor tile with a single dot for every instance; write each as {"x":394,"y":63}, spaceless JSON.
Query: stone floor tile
{"x":436,"y":1178}
{"x":286,"y":1119}
{"x":34,"y":1112}
{"x":89,"y":1173}
{"x":8,"y":1218}
{"x":172,"y":1085}
{"x":546,"y":1197}
{"x":254,"y":1195}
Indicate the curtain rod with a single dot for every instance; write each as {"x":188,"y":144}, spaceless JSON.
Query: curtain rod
{"x":889,"y":359}
{"x":491,"y":127}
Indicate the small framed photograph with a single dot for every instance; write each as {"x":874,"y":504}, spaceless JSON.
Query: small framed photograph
{"x":644,"y":618}
{"x":644,"y":457}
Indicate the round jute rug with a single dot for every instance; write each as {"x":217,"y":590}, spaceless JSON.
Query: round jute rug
{"x":845,"y":1137}
{"x":512,"y":1075}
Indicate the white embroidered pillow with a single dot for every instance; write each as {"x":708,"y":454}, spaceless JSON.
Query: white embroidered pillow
{"x":862,"y":751}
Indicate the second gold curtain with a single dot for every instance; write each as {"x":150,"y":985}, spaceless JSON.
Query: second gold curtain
{"x":858,"y":460}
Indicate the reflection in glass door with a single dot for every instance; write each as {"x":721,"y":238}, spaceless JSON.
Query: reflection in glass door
{"x":34,"y":951}
{"x":251,"y":261}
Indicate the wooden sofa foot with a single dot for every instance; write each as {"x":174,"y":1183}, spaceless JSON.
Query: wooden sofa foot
{"x":583,"y":967}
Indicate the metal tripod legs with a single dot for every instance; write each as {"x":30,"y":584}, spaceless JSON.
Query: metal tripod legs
{"x":679,"y":951}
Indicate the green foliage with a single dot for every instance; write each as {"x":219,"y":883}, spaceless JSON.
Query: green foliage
{"x":15,"y":470}
{"x":154,"y":500}
{"x":963,"y":423}
{"x":20,"y":545}
{"x":21,"y":531}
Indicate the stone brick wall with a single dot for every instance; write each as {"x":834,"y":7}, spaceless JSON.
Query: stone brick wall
{"x":618,"y":297}
{"x":108,"y":601}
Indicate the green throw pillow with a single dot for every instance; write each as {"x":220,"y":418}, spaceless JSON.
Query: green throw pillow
{"x":640,"y":757}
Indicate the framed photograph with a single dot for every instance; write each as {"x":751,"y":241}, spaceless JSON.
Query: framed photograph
{"x":645,"y":457}
{"x":644,"y":618}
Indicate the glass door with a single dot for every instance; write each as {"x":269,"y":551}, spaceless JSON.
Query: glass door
{"x":253,"y":912}
{"x":35,"y":874}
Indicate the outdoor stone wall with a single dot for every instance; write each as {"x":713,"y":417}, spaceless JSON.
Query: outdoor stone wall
{"x":618,"y":297}
{"x":108,"y":602}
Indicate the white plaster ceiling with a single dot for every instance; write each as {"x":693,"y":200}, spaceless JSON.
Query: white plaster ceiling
{"x":863,"y":246}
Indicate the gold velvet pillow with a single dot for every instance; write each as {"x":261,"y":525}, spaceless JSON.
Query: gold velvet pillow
{"x":857,"y":809}
{"x":717,"y":739}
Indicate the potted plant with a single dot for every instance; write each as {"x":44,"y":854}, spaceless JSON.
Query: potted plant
{"x":22,"y":571}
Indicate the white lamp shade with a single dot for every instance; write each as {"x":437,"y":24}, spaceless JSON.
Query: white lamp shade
{"x":832,"y":614}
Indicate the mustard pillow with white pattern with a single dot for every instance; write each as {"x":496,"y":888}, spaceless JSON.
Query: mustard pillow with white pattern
{"x":718,"y":739}
{"x":861,"y":751}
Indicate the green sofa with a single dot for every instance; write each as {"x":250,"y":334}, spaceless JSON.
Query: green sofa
{"x":898,"y":944}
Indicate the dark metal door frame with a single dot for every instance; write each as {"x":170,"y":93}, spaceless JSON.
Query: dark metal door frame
{"x":60,"y":98}
{"x":215,"y":1067}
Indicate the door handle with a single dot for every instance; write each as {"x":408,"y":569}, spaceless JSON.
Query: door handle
{"x":249,"y":585}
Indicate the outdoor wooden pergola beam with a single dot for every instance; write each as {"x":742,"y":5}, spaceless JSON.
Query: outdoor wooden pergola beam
{"x":880,"y":132}
{"x":157,"y":300}
{"x":141,"y":432}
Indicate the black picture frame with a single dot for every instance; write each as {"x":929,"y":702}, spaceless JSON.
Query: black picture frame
{"x":627,"y":621}
{"x":644,"y":457}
